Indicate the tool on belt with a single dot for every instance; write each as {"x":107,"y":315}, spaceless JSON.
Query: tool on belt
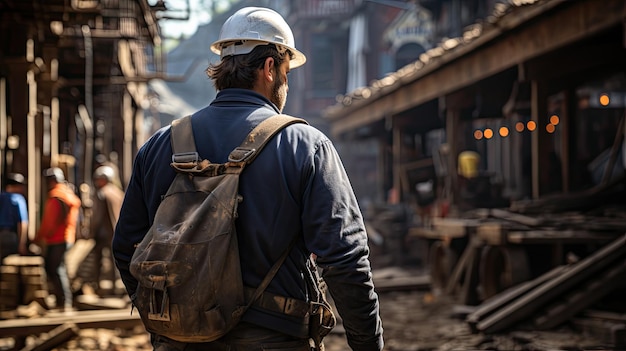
{"x":321,"y":318}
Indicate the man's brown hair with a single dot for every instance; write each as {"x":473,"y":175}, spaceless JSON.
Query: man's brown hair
{"x":240,"y":71}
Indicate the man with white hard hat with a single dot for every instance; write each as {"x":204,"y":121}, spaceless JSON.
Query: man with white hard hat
{"x":296,"y":188}
{"x":106,"y":204}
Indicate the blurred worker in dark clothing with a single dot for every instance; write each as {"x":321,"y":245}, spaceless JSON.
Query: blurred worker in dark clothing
{"x":13,"y":217}
{"x":107,"y":202}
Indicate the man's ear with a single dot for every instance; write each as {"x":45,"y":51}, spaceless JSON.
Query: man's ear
{"x":268,"y":69}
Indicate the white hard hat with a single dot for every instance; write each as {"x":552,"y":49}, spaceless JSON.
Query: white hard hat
{"x":253,"y":26}
{"x":104,"y":172}
{"x":54,"y":173}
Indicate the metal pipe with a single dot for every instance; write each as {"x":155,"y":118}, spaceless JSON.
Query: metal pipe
{"x":85,"y":118}
{"x":88,"y":114}
{"x":54,"y":131}
{"x":34,"y":167}
{"x":127,"y":115}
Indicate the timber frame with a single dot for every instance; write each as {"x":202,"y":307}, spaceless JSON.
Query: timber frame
{"x":530,"y":51}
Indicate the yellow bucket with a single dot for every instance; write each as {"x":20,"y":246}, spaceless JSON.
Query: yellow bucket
{"x":468,"y":164}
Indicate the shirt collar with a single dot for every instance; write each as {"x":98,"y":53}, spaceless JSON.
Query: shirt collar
{"x":242,"y":96}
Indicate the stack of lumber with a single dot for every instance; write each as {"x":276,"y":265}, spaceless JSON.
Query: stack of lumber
{"x":558,"y":295}
{"x":22,"y":281}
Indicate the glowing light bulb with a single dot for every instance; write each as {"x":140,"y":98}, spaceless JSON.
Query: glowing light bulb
{"x":554,"y":119}
{"x":488,"y":133}
{"x":504,"y":132}
{"x":605,"y":100}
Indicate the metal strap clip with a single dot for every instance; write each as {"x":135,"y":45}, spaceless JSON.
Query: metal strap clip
{"x":185,"y":157}
{"x":240,"y":154}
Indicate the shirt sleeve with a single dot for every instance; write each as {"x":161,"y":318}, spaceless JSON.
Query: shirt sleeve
{"x":334,"y":231}
{"x":132,"y":226}
{"x":148,"y":183}
{"x":22,"y":209}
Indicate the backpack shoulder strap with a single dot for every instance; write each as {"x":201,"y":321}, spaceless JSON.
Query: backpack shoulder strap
{"x":183,"y":143}
{"x":259,"y":136}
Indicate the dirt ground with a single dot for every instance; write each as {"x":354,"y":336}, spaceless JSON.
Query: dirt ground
{"x":418,"y":321}
{"x":413,"y":320}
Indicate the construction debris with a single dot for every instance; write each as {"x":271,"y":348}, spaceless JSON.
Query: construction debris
{"x":559,"y":295}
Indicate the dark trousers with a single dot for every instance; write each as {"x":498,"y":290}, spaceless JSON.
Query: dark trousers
{"x":8,"y":243}
{"x":244,"y":337}
{"x":102,"y":250}
{"x":57,"y":274}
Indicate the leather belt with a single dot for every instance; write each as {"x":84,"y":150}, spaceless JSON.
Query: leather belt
{"x":281,"y":304}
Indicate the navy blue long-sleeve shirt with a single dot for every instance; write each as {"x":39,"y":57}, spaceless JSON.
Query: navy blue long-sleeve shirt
{"x":296,"y":186}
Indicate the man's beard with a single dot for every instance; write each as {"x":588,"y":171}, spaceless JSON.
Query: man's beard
{"x":279,"y":93}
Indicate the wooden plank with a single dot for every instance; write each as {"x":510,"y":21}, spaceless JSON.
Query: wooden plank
{"x":588,"y":199}
{"x":23,"y":261}
{"x":516,"y":217}
{"x":469,"y":291}
{"x":444,"y":228}
{"x":56,"y":337}
{"x":453,"y":227}
{"x":611,"y":316}
{"x":493,"y":233}
{"x":6,"y":270}
{"x":498,"y":301}
{"x":538,"y":297}
{"x":95,"y":302}
{"x":461,"y":267}
{"x":553,"y":236}
{"x":83,"y":319}
{"x":576,"y":301}
{"x":422,"y":232}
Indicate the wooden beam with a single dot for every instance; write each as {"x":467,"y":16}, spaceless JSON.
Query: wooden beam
{"x":452,"y":137}
{"x":508,"y":296}
{"x":554,"y":288}
{"x":56,"y":337}
{"x":604,"y":283}
{"x":83,"y":319}
{"x":540,"y":139}
{"x":540,"y":237}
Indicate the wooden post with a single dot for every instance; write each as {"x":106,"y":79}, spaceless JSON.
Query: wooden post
{"x":397,"y":157}
{"x":540,"y":158}
{"x":452,"y":136}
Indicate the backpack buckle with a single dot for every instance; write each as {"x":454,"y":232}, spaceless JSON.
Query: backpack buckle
{"x":186,"y":157}
{"x":240,"y":154}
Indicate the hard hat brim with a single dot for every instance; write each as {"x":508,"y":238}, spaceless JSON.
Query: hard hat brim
{"x":297,"y":60}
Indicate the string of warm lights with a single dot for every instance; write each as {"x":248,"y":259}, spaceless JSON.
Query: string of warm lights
{"x":531,"y":126}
